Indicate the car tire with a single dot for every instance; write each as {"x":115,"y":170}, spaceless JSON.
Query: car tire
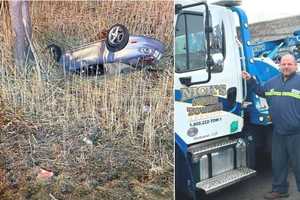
{"x":117,"y":38}
{"x":55,"y":51}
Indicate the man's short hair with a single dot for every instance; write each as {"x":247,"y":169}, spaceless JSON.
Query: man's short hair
{"x":289,"y":53}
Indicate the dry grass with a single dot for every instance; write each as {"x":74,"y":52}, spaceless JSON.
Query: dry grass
{"x":43,"y":121}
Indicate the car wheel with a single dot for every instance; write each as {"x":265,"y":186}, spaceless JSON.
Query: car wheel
{"x":117,"y":38}
{"x":55,"y":51}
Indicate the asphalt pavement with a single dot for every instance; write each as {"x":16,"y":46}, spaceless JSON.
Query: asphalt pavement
{"x":255,"y":187}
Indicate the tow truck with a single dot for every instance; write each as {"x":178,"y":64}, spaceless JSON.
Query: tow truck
{"x":220,"y":126}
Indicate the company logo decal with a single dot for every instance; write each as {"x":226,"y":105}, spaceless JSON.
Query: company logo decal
{"x":204,"y":109}
{"x":212,"y":90}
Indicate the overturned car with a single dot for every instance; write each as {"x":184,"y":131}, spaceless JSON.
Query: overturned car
{"x":117,"y":47}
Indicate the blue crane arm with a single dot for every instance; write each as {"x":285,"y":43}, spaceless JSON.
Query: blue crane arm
{"x":259,"y":68}
{"x":272,"y":48}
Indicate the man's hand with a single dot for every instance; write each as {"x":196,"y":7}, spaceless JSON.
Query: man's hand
{"x":246,"y":75}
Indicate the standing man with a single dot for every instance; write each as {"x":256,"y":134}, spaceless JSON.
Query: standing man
{"x":21,"y":24}
{"x":283,"y":96}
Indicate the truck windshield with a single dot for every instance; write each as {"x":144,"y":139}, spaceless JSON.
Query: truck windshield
{"x":190,"y":43}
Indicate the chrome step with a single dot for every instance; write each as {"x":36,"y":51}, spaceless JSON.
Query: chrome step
{"x":225,"y":179}
{"x":199,"y":149}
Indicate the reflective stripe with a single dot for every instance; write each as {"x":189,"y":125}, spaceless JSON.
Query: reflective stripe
{"x":285,"y":94}
{"x":291,"y":94}
{"x":273,"y":93}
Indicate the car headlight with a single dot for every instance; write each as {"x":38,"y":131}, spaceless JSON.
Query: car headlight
{"x":146,"y":51}
{"x":157,"y":55}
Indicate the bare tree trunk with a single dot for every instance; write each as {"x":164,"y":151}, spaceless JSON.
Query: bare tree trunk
{"x":19,"y":12}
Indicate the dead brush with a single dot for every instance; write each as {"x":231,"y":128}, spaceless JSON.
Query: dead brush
{"x":131,"y":115}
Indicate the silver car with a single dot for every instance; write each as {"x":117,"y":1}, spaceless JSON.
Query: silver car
{"x":118,"y":47}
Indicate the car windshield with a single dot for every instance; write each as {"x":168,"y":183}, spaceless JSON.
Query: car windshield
{"x":190,"y":43}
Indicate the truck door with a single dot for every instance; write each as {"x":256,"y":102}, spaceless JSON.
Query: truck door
{"x":207,"y":80}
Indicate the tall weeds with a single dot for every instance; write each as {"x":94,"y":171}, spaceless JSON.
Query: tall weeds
{"x":131,"y":111}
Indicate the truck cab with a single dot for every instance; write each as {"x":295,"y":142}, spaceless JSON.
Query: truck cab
{"x":214,"y":146}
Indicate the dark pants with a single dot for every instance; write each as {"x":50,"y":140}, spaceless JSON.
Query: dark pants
{"x":285,"y":149}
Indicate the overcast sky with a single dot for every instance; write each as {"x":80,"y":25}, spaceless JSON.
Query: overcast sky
{"x":263,"y":10}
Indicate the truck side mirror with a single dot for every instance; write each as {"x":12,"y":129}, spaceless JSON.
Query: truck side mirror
{"x":218,"y":49}
{"x":178,"y":8}
{"x":217,"y":62}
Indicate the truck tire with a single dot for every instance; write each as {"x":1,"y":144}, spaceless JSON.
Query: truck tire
{"x":117,"y":38}
{"x":259,"y":152}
